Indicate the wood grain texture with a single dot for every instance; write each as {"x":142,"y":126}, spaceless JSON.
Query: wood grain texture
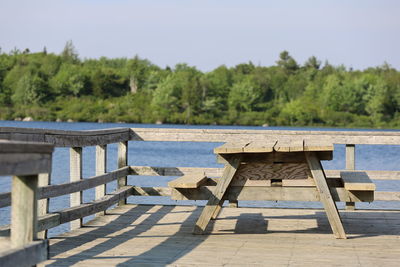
{"x":101,"y":168}
{"x":264,"y":193}
{"x":357,"y":181}
{"x":28,"y":255}
{"x":24,"y":163}
{"x":188,"y":181}
{"x":25,"y":147}
{"x":260,"y":171}
{"x":122,"y":161}
{"x":215,"y":201}
{"x":75,"y":174}
{"x":325,"y":195}
{"x":43,"y":204}
{"x":23,"y":210}
{"x":233,"y":135}
{"x":61,"y":138}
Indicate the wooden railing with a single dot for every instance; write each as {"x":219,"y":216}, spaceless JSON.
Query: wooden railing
{"x":76,"y":140}
{"x":24,"y":161}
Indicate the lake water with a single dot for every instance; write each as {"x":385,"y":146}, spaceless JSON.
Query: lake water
{"x":192,"y":154}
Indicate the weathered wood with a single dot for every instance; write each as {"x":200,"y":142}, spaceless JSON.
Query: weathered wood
{"x":151,"y":191}
{"x":48,"y":221}
{"x":294,"y":157}
{"x":70,"y":214}
{"x":76,"y":175}
{"x":159,"y":235}
{"x":174,"y":171}
{"x":350,"y":165}
{"x":357,"y":181}
{"x":24,"y":163}
{"x":374,"y":175}
{"x":101,"y":168}
{"x":188,"y":181}
{"x":83,"y":210}
{"x":122,"y":162}
{"x":80,"y":185}
{"x":260,"y":146}
{"x":43,"y":204}
{"x":317,"y":145}
{"x":259,"y":193}
{"x":216,"y":199}
{"x":283,"y":145}
{"x":25,"y":147}
{"x":61,"y":138}
{"x":217,"y":172}
{"x":234,"y":135}
{"x":28,"y":255}
{"x":229,"y":148}
{"x":23,"y":210}
{"x":262,"y":171}
{"x":325,"y":195}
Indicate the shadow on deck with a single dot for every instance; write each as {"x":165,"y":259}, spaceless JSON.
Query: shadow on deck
{"x":154,"y":235}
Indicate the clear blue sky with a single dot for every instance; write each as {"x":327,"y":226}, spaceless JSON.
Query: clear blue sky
{"x":208,"y":33}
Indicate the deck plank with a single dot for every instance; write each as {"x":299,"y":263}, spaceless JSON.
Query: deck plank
{"x":155,"y":235}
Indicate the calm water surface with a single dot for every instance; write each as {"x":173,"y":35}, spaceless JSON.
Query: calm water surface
{"x":191,"y":154}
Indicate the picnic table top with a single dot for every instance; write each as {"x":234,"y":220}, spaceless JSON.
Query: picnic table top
{"x":274,"y":145}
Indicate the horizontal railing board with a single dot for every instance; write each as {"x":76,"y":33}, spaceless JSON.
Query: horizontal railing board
{"x":29,"y":255}
{"x":68,"y":188}
{"x":166,"y":191}
{"x":69,"y":214}
{"x":24,"y":163}
{"x":106,"y":136}
{"x":217,"y":172}
{"x":229,"y":135}
{"x":84,"y":184}
{"x":7,"y":146}
{"x":173,"y":171}
{"x":61,"y":138}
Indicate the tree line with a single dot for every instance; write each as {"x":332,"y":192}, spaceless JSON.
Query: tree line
{"x":50,"y":87}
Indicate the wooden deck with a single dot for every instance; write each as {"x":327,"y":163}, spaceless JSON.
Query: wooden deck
{"x":154,"y":235}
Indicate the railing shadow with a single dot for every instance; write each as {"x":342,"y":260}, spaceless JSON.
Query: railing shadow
{"x":120,"y":223}
{"x":101,"y":232}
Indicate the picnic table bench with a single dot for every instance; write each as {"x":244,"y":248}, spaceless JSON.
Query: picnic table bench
{"x":274,"y":170}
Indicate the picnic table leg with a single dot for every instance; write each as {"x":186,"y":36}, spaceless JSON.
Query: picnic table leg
{"x":325,"y":195}
{"x":216,"y":200}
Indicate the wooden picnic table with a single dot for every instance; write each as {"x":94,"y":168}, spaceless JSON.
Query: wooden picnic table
{"x":272,"y":161}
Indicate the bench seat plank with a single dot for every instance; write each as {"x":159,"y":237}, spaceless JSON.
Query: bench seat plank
{"x":357,"y":181}
{"x":188,"y":181}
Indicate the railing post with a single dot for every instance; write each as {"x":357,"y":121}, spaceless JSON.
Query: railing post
{"x":350,"y":165}
{"x":23,"y":209}
{"x":122,"y":162}
{"x":76,"y":175}
{"x":101,"y":168}
{"x":43,"y":204}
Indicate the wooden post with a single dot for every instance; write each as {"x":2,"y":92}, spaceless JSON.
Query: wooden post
{"x":23,"y":209}
{"x":122,"y":162}
{"x":350,"y":165}
{"x":101,"y":168}
{"x":325,"y":195}
{"x":43,"y":204}
{"x":215,"y":201}
{"x":76,"y":175}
